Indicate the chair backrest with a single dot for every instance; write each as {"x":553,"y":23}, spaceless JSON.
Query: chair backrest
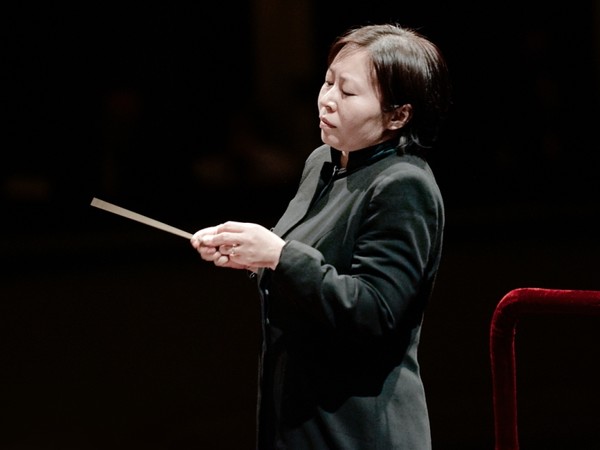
{"x":514,"y":305}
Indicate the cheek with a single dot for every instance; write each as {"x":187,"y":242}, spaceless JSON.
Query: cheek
{"x":363,"y":117}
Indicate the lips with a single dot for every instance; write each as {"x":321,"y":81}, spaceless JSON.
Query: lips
{"x":325,"y":123}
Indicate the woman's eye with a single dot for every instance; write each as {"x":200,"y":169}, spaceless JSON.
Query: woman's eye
{"x":329,"y":84}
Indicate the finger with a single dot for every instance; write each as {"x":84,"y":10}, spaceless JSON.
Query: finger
{"x":211,"y":258}
{"x":208,"y":253}
{"x":229,"y":250}
{"x":222,"y":239}
{"x":221,"y":261}
{"x":231,"y":226}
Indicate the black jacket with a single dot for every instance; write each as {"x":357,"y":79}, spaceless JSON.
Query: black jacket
{"x":342,"y":312}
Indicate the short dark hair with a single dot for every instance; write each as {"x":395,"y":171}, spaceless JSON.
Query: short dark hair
{"x":408,"y":69}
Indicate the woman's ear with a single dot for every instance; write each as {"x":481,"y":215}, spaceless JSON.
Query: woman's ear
{"x":400,"y":116}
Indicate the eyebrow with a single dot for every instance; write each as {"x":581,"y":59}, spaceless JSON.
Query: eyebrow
{"x":342,"y":77}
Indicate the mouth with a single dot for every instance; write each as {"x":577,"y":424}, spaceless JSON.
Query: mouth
{"x":324,"y":123}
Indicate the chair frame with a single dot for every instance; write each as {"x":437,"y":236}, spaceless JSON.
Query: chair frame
{"x":514,"y":305}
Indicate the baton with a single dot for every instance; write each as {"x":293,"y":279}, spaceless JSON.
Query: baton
{"x":139,"y":218}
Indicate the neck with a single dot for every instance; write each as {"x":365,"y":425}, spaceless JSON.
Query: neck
{"x":344,"y":159}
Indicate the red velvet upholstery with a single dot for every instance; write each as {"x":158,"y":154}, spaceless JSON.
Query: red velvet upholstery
{"x":514,"y":305}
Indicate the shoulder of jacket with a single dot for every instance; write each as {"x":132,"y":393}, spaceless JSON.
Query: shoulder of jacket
{"x":321,"y":153}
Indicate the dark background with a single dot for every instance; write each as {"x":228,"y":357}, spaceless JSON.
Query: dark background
{"x":116,"y":335}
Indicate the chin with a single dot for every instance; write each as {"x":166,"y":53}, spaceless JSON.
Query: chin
{"x":327,"y":140}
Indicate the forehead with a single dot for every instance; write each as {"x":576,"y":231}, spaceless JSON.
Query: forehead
{"x":354,"y":62}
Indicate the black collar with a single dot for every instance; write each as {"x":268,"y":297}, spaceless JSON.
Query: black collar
{"x":359,"y":158}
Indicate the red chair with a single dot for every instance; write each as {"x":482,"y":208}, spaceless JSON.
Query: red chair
{"x":514,"y":305}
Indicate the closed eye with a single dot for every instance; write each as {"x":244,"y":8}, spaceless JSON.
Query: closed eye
{"x":329,"y":84}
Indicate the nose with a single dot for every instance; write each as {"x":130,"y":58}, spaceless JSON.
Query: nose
{"x":327,"y":101}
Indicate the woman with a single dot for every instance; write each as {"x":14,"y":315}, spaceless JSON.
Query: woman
{"x":346,"y":273}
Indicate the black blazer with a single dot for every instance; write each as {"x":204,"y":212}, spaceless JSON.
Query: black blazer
{"x":342,"y":311}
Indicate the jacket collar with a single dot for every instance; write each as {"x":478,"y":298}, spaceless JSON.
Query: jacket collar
{"x":365,"y":156}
